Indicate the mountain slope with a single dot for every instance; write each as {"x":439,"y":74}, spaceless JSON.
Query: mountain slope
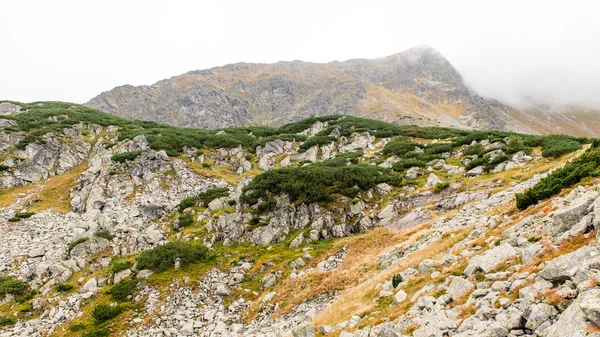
{"x":357,"y":227}
{"x":418,"y":86}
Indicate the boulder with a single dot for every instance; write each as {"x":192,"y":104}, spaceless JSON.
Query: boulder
{"x":489,"y":260}
{"x":475,"y":172}
{"x":304,"y":330}
{"x":567,"y":217}
{"x":566,"y":267}
{"x":573,"y":321}
{"x":538,"y":314}
{"x":459,"y":287}
{"x":432,"y":180}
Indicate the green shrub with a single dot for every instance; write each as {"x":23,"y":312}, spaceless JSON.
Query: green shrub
{"x":6,"y":320}
{"x":63,"y":287}
{"x":232,"y":202}
{"x":534,"y":239}
{"x":124,"y":290}
{"x":205,"y":198}
{"x":408,"y":163}
{"x":163,"y":257}
{"x":560,"y":148}
{"x":10,"y":285}
{"x":254,"y":221}
{"x":206,"y":165}
{"x":400,"y":146}
{"x":119,"y":265}
{"x":584,"y":166}
{"x":186,"y":220}
{"x":96,"y":333}
{"x":4,"y":167}
{"x":315,"y":183}
{"x":316,"y":140}
{"x":75,"y":243}
{"x":437,"y":148}
{"x":105,"y":234}
{"x":125,"y":156}
{"x":20,"y":216}
{"x":267,"y":206}
{"x":104,"y":312}
{"x":439,"y":187}
{"x":396,"y":280}
{"x":476,"y":162}
{"x":25,"y":297}
{"x":474,"y":149}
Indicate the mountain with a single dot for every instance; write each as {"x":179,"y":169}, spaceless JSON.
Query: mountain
{"x":418,"y":86}
{"x":329,"y":226}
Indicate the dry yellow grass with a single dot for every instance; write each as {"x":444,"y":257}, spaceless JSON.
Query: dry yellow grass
{"x":360,"y":298}
{"x":53,"y":192}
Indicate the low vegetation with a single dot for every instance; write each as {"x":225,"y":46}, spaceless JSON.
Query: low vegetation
{"x":125,"y":156}
{"x":12,"y":286}
{"x":204,"y":198}
{"x":104,"y":312}
{"x":124,"y":290}
{"x":316,"y":183}
{"x":584,"y":166}
{"x":163,"y":257}
{"x":105,"y":234}
{"x":75,"y":243}
{"x":20,"y":216}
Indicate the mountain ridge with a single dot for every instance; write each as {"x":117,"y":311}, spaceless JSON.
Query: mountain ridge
{"x":417,"y":86}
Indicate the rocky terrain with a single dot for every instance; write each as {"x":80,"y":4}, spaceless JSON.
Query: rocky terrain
{"x":330,"y":226}
{"x":417,"y":86}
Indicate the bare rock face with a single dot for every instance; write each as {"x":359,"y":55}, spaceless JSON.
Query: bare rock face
{"x":245,"y":93}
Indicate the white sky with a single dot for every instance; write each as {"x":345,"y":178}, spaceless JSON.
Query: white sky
{"x":73,"y":50}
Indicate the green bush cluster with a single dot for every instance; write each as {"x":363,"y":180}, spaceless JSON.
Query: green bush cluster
{"x":205,"y":198}
{"x":20,"y":216}
{"x":584,"y":166}
{"x":400,"y":146}
{"x":105,"y":312}
{"x":439,"y":187}
{"x":396,"y":280}
{"x":186,"y":220}
{"x":475,"y":149}
{"x":119,"y":265}
{"x":125,"y":156}
{"x":10,"y":285}
{"x":315,"y":183}
{"x":7,"y":320}
{"x":437,"y":148}
{"x":163,"y":257}
{"x":560,"y":148}
{"x":105,"y":234}
{"x":408,"y":163}
{"x":4,"y":167}
{"x":316,"y":140}
{"x":124,"y":290}
{"x":75,"y":243}
{"x":63,"y":287}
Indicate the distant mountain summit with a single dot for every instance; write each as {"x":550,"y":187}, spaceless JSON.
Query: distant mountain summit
{"x":417,"y":86}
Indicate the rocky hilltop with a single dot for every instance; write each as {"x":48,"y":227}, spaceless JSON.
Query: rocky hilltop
{"x":418,"y":86}
{"x":329,"y":226}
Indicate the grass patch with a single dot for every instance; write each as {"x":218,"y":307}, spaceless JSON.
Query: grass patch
{"x":105,"y":234}
{"x":75,"y":243}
